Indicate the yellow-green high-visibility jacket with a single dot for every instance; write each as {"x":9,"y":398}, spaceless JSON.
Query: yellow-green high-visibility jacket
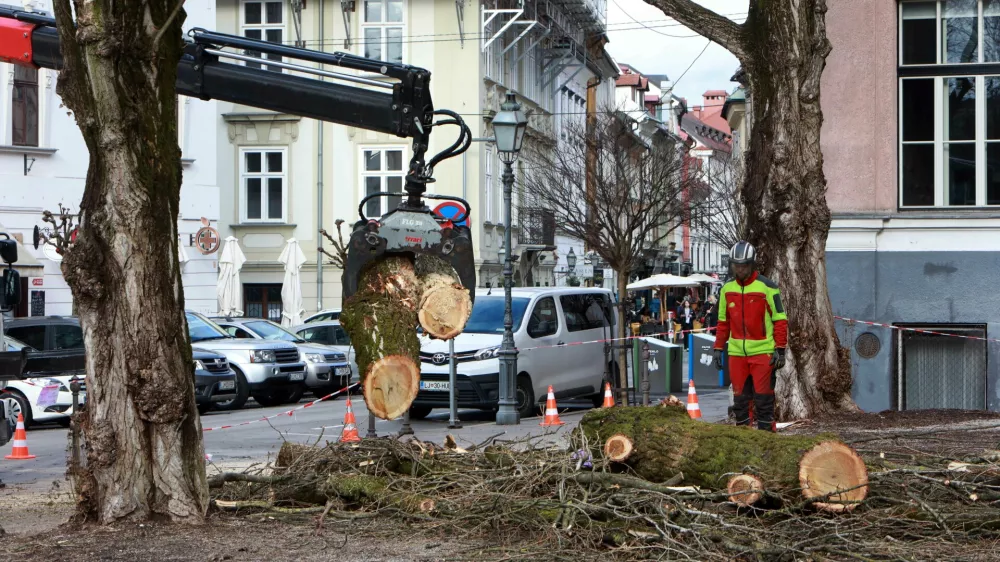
{"x":752,"y":319}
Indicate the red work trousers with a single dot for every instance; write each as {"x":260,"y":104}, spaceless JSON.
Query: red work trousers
{"x":753,"y":379}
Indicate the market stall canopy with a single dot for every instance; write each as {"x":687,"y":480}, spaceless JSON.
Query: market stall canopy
{"x":702,"y":278}
{"x":662,"y":280}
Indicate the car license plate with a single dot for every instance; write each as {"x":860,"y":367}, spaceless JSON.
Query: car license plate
{"x":434,"y":385}
{"x":297,"y":376}
{"x":227,"y":385}
{"x":343,"y":371}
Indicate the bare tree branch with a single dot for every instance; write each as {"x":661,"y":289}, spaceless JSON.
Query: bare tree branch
{"x":338,"y":259}
{"x":703,"y":21}
{"x":724,"y":217}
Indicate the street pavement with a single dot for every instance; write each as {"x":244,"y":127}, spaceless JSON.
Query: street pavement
{"x":239,"y":446}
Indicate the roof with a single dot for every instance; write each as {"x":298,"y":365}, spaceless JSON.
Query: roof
{"x":635,"y":80}
{"x":712,"y":93}
{"x":705,"y":134}
{"x":738,"y":97}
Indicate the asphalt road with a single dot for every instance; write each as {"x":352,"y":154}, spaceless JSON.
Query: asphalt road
{"x":241,"y":445}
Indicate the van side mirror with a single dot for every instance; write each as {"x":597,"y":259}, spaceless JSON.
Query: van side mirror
{"x":10,"y":292}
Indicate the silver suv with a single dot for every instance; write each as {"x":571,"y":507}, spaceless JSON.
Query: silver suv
{"x":270,"y":371}
{"x":327,"y":368}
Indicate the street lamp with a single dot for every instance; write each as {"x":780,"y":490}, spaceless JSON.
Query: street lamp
{"x":509,"y":126}
{"x":571,"y":260}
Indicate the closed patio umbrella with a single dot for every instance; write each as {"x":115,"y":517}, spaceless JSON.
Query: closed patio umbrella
{"x":229,"y":287}
{"x":291,"y":287}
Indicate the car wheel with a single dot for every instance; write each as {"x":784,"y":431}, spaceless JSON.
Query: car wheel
{"x":293,"y":396}
{"x":18,"y":404}
{"x":419,"y":412}
{"x":525,"y":397}
{"x":242,"y":393}
{"x":204,"y":408}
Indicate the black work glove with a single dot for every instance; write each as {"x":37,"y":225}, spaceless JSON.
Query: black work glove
{"x":718,"y":358}
{"x":778,"y":359}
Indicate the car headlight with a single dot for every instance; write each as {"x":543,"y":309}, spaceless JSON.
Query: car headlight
{"x":314,"y":357}
{"x":261,"y":356}
{"x":198,"y":365}
{"x":46,"y":381}
{"x":488,"y":353}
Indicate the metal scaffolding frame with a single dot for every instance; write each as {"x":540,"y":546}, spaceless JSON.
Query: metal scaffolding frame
{"x":487,"y":15}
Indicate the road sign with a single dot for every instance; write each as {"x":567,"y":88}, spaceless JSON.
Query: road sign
{"x":450,"y":210}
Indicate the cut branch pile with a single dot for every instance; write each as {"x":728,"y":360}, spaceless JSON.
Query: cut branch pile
{"x":545,"y":502}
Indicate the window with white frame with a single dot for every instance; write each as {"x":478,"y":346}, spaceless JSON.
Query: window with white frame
{"x":382,"y":29}
{"x":382,"y":170}
{"x":264,"y":21}
{"x":949,"y":96}
{"x":264,"y":179}
{"x":488,"y":185}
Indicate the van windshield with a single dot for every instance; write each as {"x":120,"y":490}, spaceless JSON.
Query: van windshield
{"x":487,"y":315}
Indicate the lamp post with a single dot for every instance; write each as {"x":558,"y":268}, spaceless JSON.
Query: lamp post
{"x":571,"y":260}
{"x":509,"y":126}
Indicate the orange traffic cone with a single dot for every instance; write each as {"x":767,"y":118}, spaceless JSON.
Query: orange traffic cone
{"x":20,"y":452}
{"x":694,"y":410}
{"x":350,"y":433}
{"x":551,"y":413}
{"x":609,"y":401}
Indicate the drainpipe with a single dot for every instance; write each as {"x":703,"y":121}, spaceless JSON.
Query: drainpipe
{"x":319,"y":182}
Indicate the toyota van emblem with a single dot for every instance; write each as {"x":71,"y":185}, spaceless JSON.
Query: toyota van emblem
{"x":439,"y":359}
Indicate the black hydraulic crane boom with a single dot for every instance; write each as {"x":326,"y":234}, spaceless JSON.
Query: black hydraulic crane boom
{"x":393,"y":99}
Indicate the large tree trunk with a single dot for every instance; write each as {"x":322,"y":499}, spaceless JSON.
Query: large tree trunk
{"x":144,"y":456}
{"x":783,"y":47}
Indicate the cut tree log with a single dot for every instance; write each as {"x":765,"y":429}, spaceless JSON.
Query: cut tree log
{"x":618,"y":447}
{"x":381,"y":320}
{"x":745,"y":489}
{"x":828,"y":468}
{"x":667,"y":442}
{"x":445,"y":304}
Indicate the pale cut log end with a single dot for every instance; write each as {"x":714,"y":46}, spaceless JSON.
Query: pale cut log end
{"x":618,"y":447}
{"x":391,"y":386}
{"x":831,"y":466}
{"x":745,"y":489}
{"x":444,"y":307}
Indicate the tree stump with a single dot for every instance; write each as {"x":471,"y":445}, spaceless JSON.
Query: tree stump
{"x":666,"y":442}
{"x":618,"y":447}
{"x":745,"y":489}
{"x":445,"y":304}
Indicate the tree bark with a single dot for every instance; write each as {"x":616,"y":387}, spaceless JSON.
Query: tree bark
{"x":145,"y":457}
{"x":667,"y":442}
{"x":783,"y":48}
{"x":622,"y":342}
{"x":381,"y":319}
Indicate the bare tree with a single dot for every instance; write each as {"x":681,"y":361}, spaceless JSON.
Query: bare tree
{"x":338,"y":259}
{"x":634,"y":197}
{"x":725,"y":218}
{"x":782,"y":46}
{"x":144,"y":456}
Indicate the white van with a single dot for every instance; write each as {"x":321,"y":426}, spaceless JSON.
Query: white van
{"x":546,"y":321}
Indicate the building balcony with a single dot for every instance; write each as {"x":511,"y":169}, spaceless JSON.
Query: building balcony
{"x":537,"y":228}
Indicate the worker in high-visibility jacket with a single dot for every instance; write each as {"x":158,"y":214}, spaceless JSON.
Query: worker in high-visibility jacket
{"x":753,"y":323}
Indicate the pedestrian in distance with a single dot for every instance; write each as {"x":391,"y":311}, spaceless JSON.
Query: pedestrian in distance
{"x":753,"y":330}
{"x":685,"y":315}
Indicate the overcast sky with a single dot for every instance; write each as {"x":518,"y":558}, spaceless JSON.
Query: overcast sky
{"x":668,"y":47}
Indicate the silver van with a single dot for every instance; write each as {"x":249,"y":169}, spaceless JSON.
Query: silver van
{"x":547,"y":320}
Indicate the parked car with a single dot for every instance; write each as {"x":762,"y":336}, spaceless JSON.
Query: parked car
{"x":214,"y":381}
{"x":331,"y":333}
{"x":323,"y":316}
{"x":547,"y":320}
{"x":55,"y":355}
{"x":270,"y":371}
{"x":327,"y":368}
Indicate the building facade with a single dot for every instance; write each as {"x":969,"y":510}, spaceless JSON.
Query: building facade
{"x":43,"y":164}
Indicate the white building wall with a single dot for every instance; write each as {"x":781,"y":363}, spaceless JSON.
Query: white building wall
{"x":59,"y":171}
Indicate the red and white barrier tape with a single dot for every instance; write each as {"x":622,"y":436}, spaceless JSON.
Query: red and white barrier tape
{"x":626,"y":338}
{"x":287,"y":413}
{"x":917,"y":330}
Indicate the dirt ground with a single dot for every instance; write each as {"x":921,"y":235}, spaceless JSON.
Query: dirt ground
{"x":36,"y":529}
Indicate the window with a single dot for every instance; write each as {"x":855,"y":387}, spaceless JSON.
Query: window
{"x":321,"y":334}
{"x":382,"y":29}
{"x":263,"y":178}
{"x":949,"y":112}
{"x":68,"y":337}
{"x":262,"y":301}
{"x":382,"y":171}
{"x":264,"y":20}
{"x":24,"y":106}
{"x":340,"y":335}
{"x":489,"y":187}
{"x":584,"y":312}
{"x":544,"y":321}
{"x":34,"y":336}
{"x":238,"y":333}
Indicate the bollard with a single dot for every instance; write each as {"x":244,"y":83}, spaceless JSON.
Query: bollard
{"x":74,"y":386}
{"x":371,"y":427}
{"x":406,"y":429}
{"x":453,"y":421}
